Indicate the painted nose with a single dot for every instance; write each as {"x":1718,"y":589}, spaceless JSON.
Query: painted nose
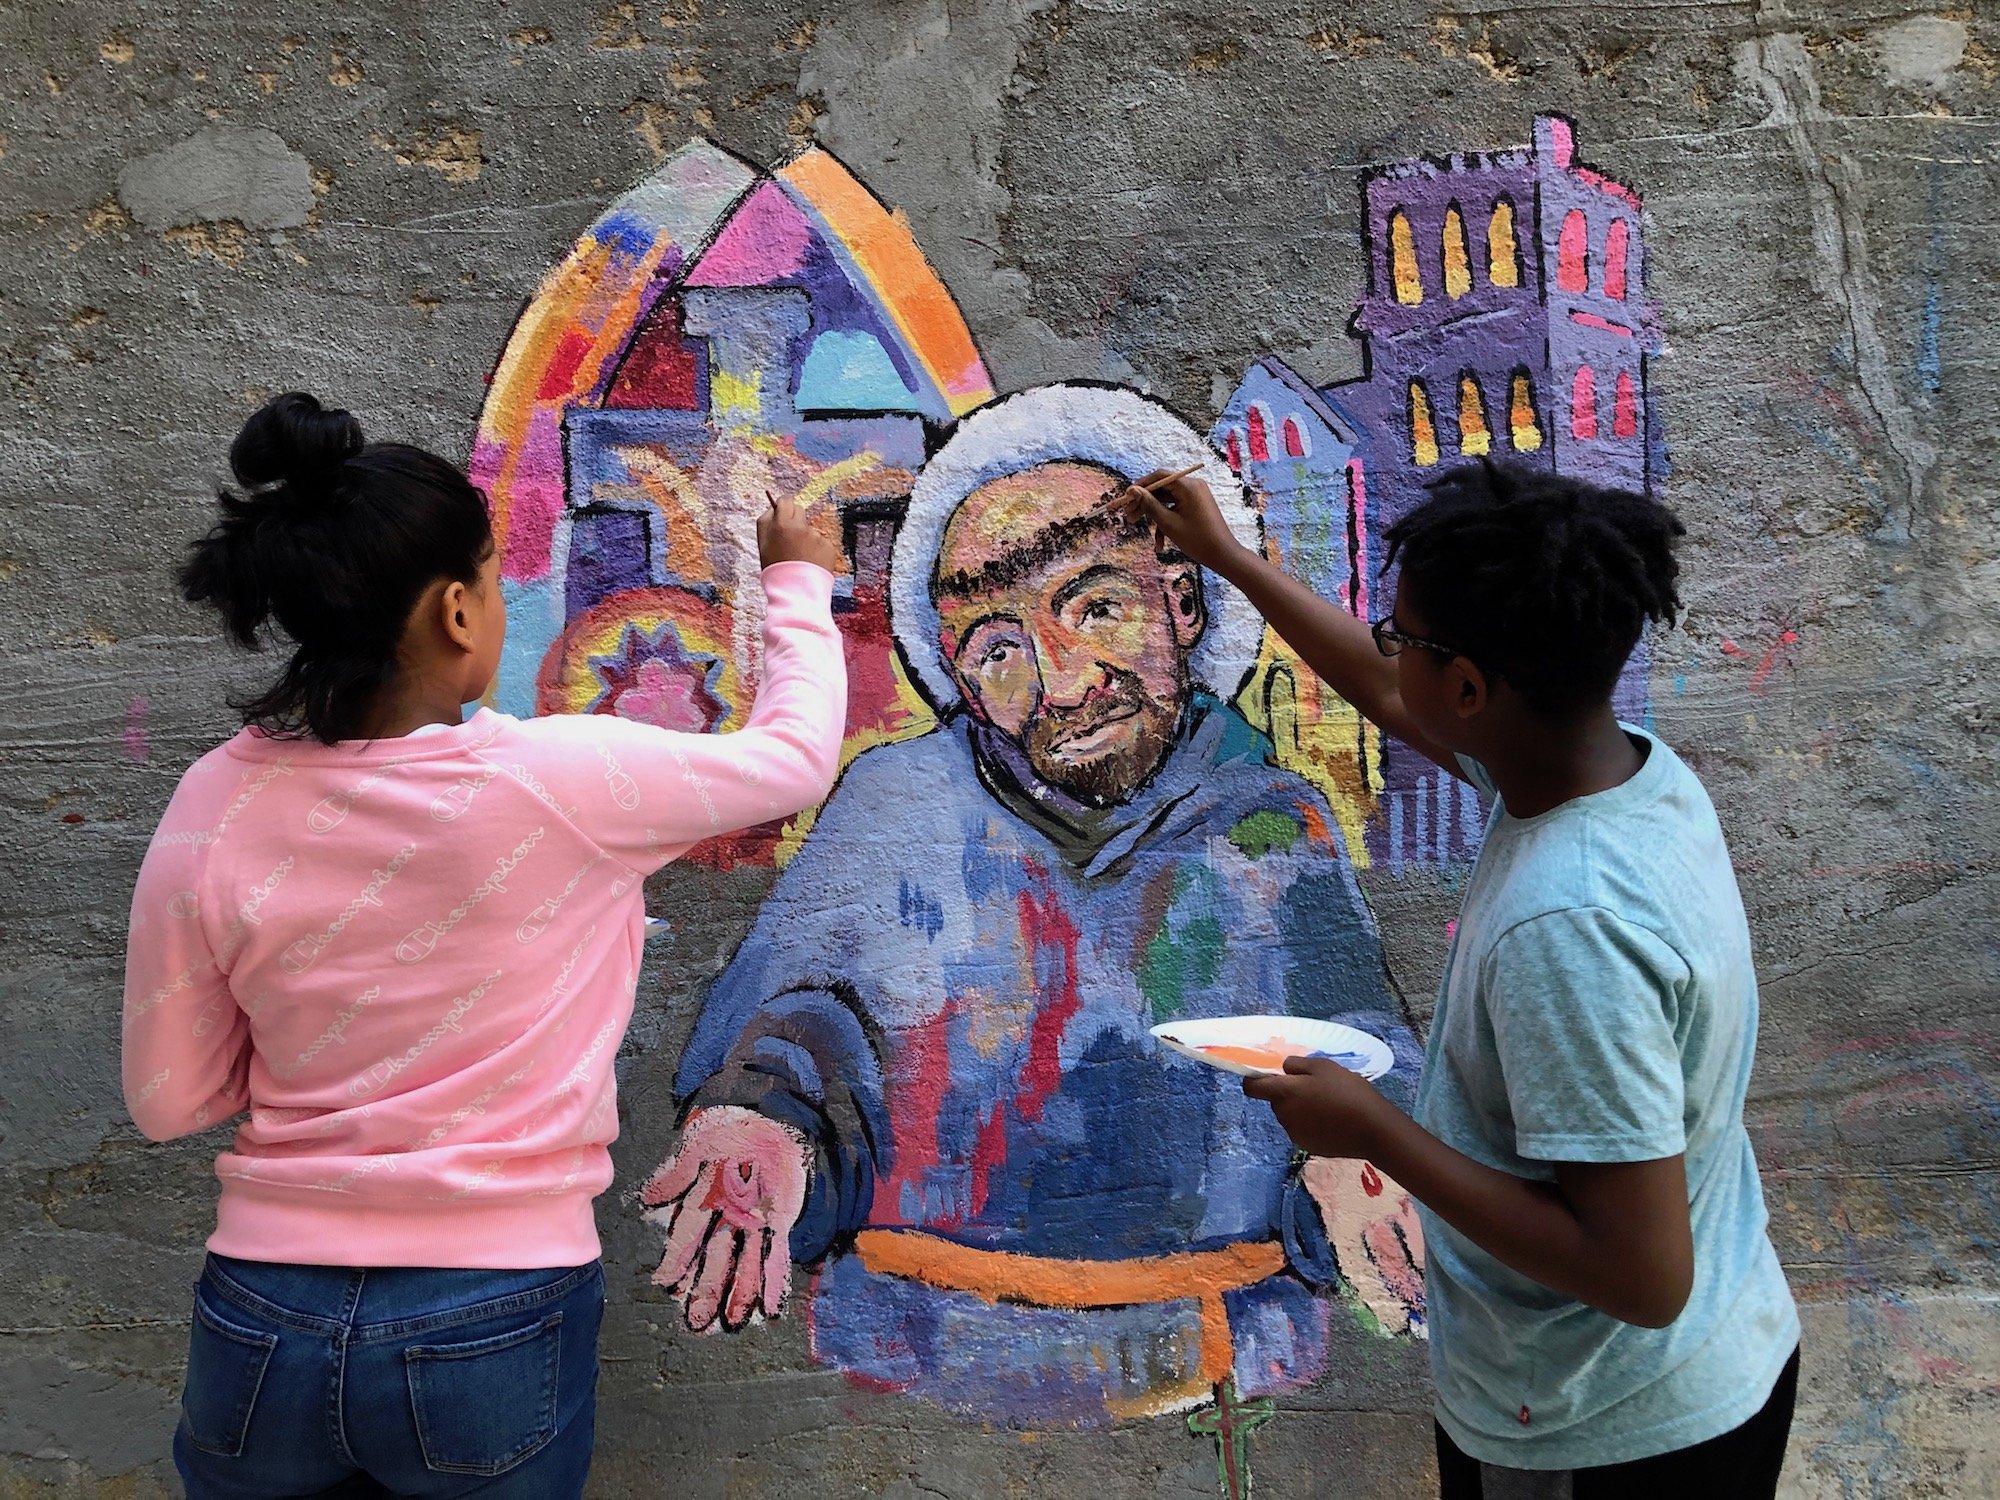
{"x":1069,"y":669}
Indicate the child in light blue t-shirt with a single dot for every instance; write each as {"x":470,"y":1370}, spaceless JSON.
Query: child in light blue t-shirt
{"x":1606,"y":1308}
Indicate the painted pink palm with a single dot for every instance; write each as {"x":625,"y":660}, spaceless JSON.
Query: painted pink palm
{"x":1377,"y":1240}
{"x":728,"y":1198}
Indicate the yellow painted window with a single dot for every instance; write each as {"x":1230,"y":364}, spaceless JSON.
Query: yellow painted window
{"x":1503,"y":255}
{"x":1403,"y":270}
{"x":1526,"y":431}
{"x":1457,"y":262}
{"x":1473,"y":438}
{"x":1423,"y":432}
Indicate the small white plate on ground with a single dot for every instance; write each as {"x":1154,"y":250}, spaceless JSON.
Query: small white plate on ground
{"x":1255,"y":1046}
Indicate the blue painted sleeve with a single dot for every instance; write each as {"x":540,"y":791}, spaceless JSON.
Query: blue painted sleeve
{"x":784,"y":1031}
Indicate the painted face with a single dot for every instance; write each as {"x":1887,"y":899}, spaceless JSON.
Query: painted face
{"x":1423,"y":677}
{"x":1066,"y":629}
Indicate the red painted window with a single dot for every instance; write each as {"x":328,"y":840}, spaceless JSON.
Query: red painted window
{"x":1295,"y":438}
{"x":1573,"y":253}
{"x":1260,"y":442}
{"x":1617,"y":241}
{"x":1583,"y":404}
{"x":1624,"y":407}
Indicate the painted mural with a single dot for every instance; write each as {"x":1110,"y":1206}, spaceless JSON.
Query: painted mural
{"x":1506,"y":313}
{"x":1084,"y":792}
{"x":720,"y":334}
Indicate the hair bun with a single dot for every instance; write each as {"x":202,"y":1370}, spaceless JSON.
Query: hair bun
{"x":296,"y":442}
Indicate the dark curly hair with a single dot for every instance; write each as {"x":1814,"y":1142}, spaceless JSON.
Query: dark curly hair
{"x":333,"y":542}
{"x":1546,"y":581}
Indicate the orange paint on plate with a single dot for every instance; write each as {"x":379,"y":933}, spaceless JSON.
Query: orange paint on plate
{"x":1271,"y":1054}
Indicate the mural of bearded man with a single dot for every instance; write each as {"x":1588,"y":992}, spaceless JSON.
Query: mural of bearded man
{"x":928,"y":1073}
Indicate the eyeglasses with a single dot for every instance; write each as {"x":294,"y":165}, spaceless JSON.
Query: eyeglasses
{"x":1389,"y":640}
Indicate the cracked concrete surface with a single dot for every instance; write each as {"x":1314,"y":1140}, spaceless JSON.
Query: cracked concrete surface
{"x":1122,"y":189}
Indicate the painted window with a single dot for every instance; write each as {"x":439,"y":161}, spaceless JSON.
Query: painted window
{"x":1260,"y":434}
{"x":1503,"y":252}
{"x":1583,"y":403}
{"x":1573,"y":253}
{"x":1297,"y":445}
{"x":1233,"y":446}
{"x":1423,"y":432}
{"x":1403,"y":272}
{"x":1473,"y":437}
{"x":1624,"y":407}
{"x":1521,"y":424}
{"x":1617,"y":242}
{"x":1457,"y":259}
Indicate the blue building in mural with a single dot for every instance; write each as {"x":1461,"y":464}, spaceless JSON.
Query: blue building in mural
{"x":1506,"y":314}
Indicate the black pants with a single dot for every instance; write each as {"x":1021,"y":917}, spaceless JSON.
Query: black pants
{"x":1742,"y":1464}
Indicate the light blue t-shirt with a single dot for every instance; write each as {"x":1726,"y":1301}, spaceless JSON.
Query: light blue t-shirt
{"x":1599,"y":1005}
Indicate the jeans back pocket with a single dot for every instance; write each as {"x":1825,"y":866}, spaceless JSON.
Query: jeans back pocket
{"x":484,"y":1406}
{"x":225,"y":1370}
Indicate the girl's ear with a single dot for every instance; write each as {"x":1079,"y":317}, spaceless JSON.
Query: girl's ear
{"x":455,"y":615}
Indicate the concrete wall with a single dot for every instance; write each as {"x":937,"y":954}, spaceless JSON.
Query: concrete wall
{"x":201,"y":205}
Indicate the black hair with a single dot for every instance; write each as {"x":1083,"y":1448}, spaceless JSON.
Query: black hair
{"x":333,"y":542}
{"x":1542,"y":579}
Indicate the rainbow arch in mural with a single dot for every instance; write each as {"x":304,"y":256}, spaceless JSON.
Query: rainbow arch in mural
{"x":719,"y":334}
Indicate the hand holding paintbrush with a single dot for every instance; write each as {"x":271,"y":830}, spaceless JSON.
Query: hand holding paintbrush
{"x":1122,"y":494}
{"x":1184,"y":514}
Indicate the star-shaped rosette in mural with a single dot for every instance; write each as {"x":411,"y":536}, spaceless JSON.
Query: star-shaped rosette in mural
{"x":658,"y":655}
{"x":655,"y":678}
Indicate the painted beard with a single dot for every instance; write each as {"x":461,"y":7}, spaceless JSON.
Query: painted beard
{"x":1101,"y":751}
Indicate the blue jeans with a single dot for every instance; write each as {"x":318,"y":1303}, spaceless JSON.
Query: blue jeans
{"x":332,"y":1381}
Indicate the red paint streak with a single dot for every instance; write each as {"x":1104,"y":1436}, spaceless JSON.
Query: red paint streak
{"x":1790,"y":637}
{"x":1730,"y":648}
{"x":1602,"y":325}
{"x":1572,"y":252}
{"x":1371,"y":1180}
{"x":1583,"y":404}
{"x":72,"y":817}
{"x":988,"y":1152}
{"x":1260,"y":447}
{"x":1052,"y":938}
{"x":922,"y":1076}
{"x":1624,"y":407}
{"x":563,"y":365}
{"x":1616,"y":243}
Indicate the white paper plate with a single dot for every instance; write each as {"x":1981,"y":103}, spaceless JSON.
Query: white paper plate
{"x":1279,"y":1037}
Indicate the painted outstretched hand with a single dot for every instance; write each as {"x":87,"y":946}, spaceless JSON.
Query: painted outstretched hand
{"x":1377,"y":1240}
{"x":728,"y":1198}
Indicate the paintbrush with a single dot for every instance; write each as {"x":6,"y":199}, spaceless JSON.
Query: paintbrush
{"x":1114,"y":497}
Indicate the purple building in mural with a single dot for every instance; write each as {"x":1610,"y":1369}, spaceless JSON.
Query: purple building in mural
{"x":1506,"y":314}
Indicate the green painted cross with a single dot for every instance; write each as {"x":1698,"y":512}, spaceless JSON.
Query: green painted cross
{"x":1230,"y":1422}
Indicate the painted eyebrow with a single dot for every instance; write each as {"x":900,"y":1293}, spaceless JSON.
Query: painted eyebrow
{"x":996,"y":618}
{"x":1085,"y":579}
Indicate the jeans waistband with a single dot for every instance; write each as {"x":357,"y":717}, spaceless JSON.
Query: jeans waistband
{"x":342,"y":1288}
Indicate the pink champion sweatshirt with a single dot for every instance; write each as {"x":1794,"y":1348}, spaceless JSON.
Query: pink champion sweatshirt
{"x":412,"y":960}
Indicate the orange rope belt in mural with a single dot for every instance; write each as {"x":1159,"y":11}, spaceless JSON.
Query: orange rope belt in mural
{"x":1044,"y":1281}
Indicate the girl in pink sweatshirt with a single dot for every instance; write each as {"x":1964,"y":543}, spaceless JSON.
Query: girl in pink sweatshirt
{"x":398,"y":947}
